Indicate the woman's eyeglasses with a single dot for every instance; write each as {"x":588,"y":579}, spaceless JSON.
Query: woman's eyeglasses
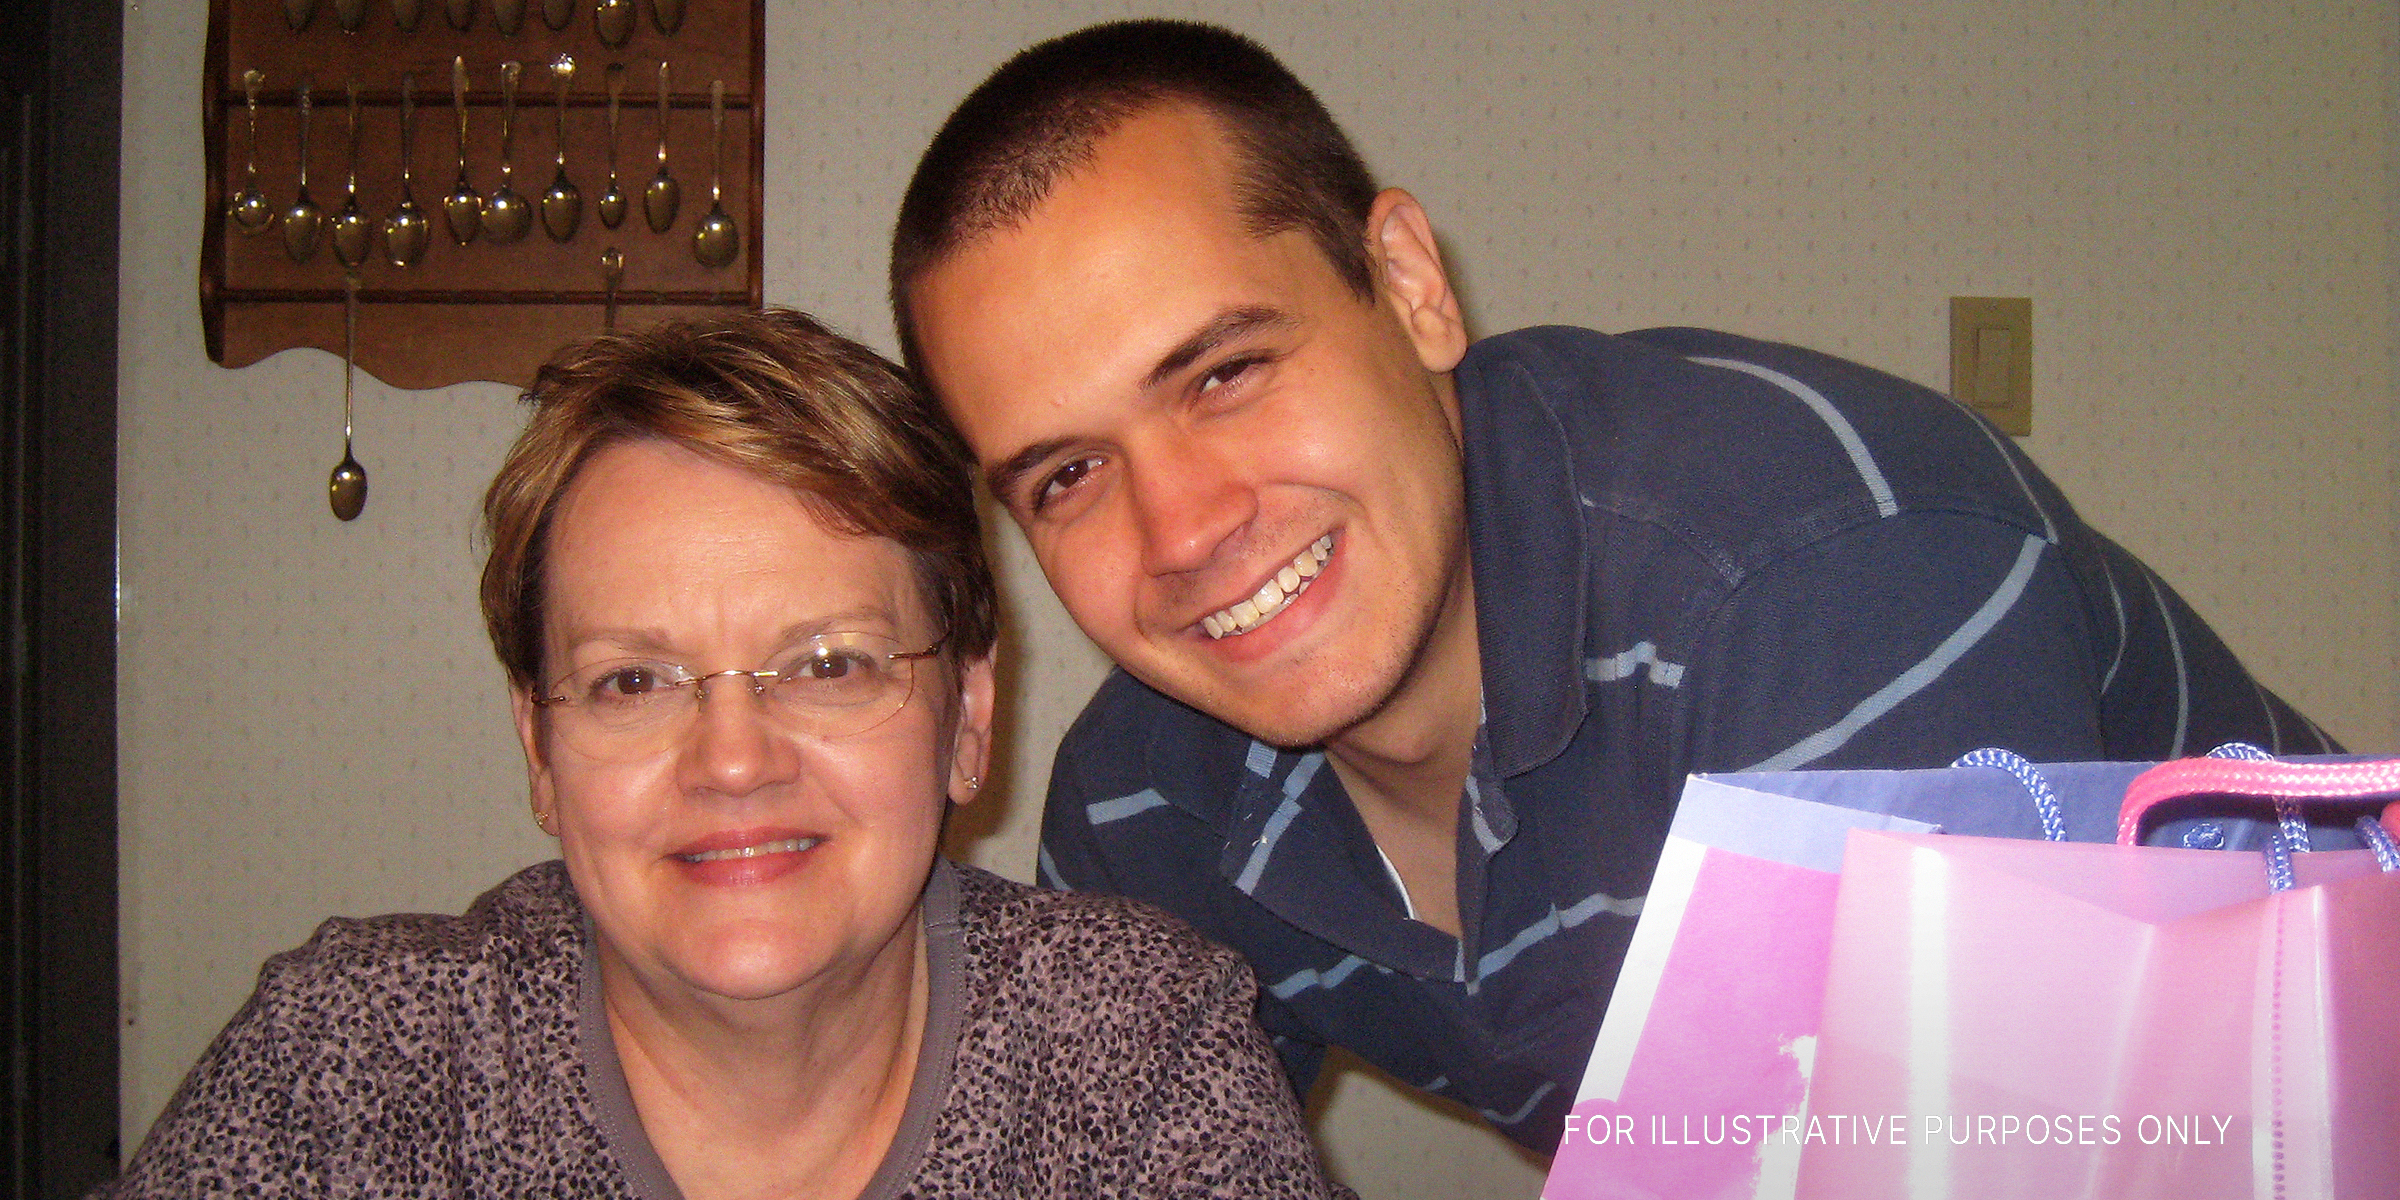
{"x":833,"y":685}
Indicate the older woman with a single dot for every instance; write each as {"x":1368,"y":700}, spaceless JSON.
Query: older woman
{"x":737,"y":587}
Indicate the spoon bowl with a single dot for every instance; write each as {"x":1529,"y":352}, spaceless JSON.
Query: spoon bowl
{"x":462,"y":209}
{"x":346,"y":488}
{"x":249,"y":208}
{"x":558,"y":14}
{"x":507,"y":215}
{"x":613,"y":21}
{"x":405,"y":231}
{"x":353,"y":234}
{"x":406,"y":14}
{"x":508,"y":16}
{"x":562,"y":205}
{"x":613,"y":201}
{"x":303,"y":221}
{"x":662,"y":195}
{"x":460,"y":14}
{"x":351,"y":13}
{"x":717,"y":241}
{"x":667,"y":15}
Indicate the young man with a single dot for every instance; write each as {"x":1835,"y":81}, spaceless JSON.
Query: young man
{"x":1419,"y":639}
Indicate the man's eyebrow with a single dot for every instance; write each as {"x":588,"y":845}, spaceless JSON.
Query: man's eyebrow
{"x":1003,"y":476}
{"x":1232,"y":324}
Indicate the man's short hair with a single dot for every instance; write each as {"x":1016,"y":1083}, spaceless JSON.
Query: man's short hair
{"x":1044,"y":112}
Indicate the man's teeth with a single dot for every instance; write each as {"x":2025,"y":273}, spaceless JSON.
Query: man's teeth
{"x":786,"y":846}
{"x":1287,"y":583}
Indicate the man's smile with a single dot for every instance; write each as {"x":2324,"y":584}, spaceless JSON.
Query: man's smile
{"x":1279,"y":590}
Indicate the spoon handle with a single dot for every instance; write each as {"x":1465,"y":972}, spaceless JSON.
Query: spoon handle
{"x":352,"y":87}
{"x":508,"y":112}
{"x":458,"y":100}
{"x":304,"y":107}
{"x":662,"y":116}
{"x":408,"y":126}
{"x":616,"y":92}
{"x":716,"y":127}
{"x":564,"y":71}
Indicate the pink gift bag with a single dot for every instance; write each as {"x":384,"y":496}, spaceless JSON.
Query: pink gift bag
{"x":1705,"y":1050}
{"x":2046,"y":1019}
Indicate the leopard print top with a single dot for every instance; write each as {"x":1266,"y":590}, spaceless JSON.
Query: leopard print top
{"x":1075,"y":1046}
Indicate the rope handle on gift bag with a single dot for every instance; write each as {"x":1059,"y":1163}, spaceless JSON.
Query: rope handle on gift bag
{"x":2045,"y":799}
{"x":2239,"y":769}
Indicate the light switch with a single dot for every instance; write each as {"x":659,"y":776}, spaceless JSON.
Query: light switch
{"x":1991,"y":359}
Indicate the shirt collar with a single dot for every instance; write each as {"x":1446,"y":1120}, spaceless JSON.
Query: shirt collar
{"x":1525,"y":532}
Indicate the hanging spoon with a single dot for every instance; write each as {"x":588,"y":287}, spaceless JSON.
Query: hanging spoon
{"x":661,"y":196}
{"x":404,"y":232}
{"x":303,"y":220}
{"x":406,"y":13}
{"x":667,"y":15}
{"x":353,"y":235}
{"x":557,"y":14}
{"x":346,"y":488}
{"x":298,"y":13}
{"x":463,"y":207}
{"x":351,"y":13}
{"x":612,"y":272}
{"x":507,"y":215}
{"x":508,"y":15}
{"x":612,"y":202}
{"x":716,"y":241}
{"x":562,"y":205}
{"x":613,"y":21}
{"x":460,"y":14}
{"x":249,"y":208}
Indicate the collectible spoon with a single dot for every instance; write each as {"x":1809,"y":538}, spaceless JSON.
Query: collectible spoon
{"x":613,"y":21}
{"x":612,"y":271}
{"x":612,"y":202}
{"x":716,"y":241}
{"x":404,"y":232}
{"x":558,"y":13}
{"x":353,"y":235}
{"x":351,"y":14}
{"x":346,"y":488}
{"x":562,"y":205}
{"x":249,"y":208}
{"x":508,"y":15}
{"x":507,"y":215}
{"x":298,"y":13}
{"x":667,"y":15}
{"x":460,"y":14}
{"x":405,"y":14}
{"x":660,"y":198}
{"x":303,"y":220}
{"x":463,"y":207}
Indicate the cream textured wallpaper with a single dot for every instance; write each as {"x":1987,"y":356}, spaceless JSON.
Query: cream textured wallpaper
{"x":2199,"y":198}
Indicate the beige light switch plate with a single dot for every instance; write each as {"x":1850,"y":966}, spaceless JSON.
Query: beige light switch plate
{"x":1991,"y":359}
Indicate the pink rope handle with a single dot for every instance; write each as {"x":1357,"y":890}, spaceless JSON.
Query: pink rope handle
{"x":2232,"y":776}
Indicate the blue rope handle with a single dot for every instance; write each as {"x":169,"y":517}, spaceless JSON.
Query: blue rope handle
{"x":2287,"y":809}
{"x":2379,"y":840}
{"x":2045,"y":800}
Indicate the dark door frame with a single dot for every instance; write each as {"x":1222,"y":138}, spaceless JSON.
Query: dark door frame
{"x":60,"y":77}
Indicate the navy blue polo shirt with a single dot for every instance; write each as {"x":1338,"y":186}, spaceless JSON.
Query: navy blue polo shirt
{"x":1692,"y":552}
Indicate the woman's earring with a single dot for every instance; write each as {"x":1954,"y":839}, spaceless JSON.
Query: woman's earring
{"x":974,"y":783}
{"x":542,"y":819}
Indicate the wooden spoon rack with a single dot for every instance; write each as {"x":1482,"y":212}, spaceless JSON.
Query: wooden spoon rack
{"x":480,"y":310}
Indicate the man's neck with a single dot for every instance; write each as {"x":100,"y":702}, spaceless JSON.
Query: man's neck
{"x":1406,"y":766}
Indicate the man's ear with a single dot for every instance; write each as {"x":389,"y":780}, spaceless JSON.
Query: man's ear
{"x":1409,"y":276}
{"x":971,"y":737}
{"x":537,"y":768}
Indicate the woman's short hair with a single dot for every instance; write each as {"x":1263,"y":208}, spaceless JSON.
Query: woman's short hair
{"x":775,"y":394}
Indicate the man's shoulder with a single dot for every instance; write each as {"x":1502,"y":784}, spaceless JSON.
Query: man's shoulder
{"x":1725,"y":439}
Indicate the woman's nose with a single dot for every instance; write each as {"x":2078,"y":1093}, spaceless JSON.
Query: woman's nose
{"x":735,"y":746}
